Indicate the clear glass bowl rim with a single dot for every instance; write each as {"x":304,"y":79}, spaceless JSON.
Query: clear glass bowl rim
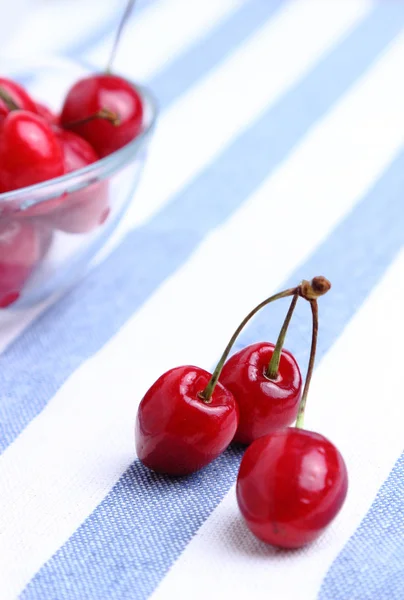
{"x":34,"y":195}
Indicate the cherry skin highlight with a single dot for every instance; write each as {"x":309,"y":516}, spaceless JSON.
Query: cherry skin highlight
{"x":291,"y":485}
{"x":177,"y":432}
{"x":264,"y":404}
{"x":95,"y":93}
{"x":29,"y":151}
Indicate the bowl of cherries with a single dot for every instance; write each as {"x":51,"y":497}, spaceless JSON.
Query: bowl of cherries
{"x":72,"y":146}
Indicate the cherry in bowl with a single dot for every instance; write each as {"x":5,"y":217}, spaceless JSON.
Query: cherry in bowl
{"x":80,"y":208}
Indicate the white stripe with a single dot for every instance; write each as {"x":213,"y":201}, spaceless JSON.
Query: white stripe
{"x":53,"y":26}
{"x":68,"y":458}
{"x":176,"y":24}
{"x":194,"y":131}
{"x":206,"y":119}
{"x":313,"y":26}
{"x":356,"y":406}
{"x":12,"y":15}
{"x":203,"y":17}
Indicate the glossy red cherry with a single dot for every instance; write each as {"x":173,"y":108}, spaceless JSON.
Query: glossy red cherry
{"x":3,"y":111}
{"x":29,"y":151}
{"x":22,"y":245}
{"x":18,"y":95}
{"x":291,"y":485}
{"x":77,"y":152}
{"x":264,"y":404}
{"x":98,"y":93}
{"x":177,"y":432}
{"x":80,"y":211}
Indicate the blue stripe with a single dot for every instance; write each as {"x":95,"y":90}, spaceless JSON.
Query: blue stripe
{"x":176,"y":77}
{"x":168,"y":84}
{"x":76,"y":327}
{"x":22,"y":403}
{"x":371,"y":565}
{"x":146,"y":521}
{"x":207,"y":54}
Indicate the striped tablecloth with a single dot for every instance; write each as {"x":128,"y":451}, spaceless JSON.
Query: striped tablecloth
{"x":278,"y":156}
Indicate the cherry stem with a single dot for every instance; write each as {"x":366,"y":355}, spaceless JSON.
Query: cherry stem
{"x":8,"y":101}
{"x":309,"y":290}
{"x":104,"y":113}
{"x":206,"y":394}
{"x":310,"y":367}
{"x":122,"y":24}
{"x":273,"y":367}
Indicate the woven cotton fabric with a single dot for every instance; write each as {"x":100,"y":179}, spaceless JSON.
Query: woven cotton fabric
{"x":278,"y":155}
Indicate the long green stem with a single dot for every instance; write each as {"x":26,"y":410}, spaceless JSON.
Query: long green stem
{"x":122,"y":24}
{"x":206,"y":394}
{"x":273,"y":367}
{"x":7,"y":99}
{"x":310,"y":367}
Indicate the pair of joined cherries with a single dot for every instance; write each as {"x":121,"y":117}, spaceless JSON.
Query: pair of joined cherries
{"x":292,"y":482}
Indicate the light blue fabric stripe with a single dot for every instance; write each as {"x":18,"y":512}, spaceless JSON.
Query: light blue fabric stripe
{"x":371,"y":565}
{"x":174,"y":80}
{"x":20,"y":406}
{"x":138,"y":531}
{"x":177,"y":76}
{"x":37,"y":364}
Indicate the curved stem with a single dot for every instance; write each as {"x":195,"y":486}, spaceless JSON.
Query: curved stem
{"x":273,"y":367}
{"x":122,"y":23}
{"x":310,"y":367}
{"x":206,"y":394}
{"x":104,"y":113}
{"x":8,"y":101}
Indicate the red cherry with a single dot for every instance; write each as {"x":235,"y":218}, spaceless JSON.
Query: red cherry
{"x":18,"y":95}
{"x":98,"y":93}
{"x":291,"y":484}
{"x":77,"y":152}
{"x":29,"y":151}
{"x":264,"y":404}
{"x":80,"y":211}
{"x":22,"y":245}
{"x":177,"y":432}
{"x":3,"y":111}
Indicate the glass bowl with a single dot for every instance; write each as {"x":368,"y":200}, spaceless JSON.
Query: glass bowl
{"x":51,"y":231}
